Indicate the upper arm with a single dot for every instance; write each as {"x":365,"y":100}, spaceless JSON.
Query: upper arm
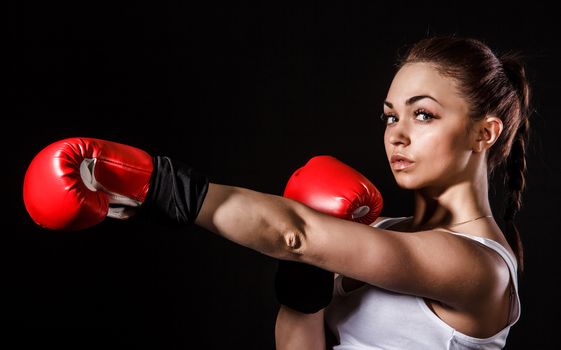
{"x":432,"y":264}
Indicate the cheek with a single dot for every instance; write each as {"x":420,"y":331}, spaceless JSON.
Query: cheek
{"x":444,"y":153}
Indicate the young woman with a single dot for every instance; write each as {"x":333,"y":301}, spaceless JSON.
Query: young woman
{"x":444,"y":277}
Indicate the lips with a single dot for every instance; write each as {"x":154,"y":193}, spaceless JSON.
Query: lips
{"x":400,"y":162}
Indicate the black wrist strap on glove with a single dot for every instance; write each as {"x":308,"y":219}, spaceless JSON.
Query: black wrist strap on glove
{"x":302,"y":287}
{"x":176,"y":190}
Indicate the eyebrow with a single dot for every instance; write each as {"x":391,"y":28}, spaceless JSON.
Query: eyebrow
{"x":412,"y":100}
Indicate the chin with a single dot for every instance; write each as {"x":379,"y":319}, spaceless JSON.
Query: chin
{"x":406,"y":185}
{"x":407,"y":182}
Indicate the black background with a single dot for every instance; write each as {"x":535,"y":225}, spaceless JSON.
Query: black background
{"x":246,"y":94}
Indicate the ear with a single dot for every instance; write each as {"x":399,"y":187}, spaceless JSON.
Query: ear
{"x":487,"y":132}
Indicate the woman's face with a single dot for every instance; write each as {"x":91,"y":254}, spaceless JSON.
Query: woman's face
{"x":426,"y":136}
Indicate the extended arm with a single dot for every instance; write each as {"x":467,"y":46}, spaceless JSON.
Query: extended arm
{"x":76,"y":183}
{"x":406,"y":263}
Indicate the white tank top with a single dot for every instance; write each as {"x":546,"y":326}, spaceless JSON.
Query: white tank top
{"x":373,"y":318}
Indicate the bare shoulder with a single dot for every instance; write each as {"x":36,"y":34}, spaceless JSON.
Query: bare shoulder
{"x":466,"y":271}
{"x":466,"y":250}
{"x":466,"y":259}
{"x":471,"y":293}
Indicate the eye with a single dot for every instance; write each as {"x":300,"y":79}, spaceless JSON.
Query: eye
{"x":423,"y":115}
{"x":388,"y":119}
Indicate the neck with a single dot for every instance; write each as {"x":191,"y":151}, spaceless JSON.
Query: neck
{"x":442,"y":207}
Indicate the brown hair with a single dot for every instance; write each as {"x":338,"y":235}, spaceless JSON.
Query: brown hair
{"x":491,"y":85}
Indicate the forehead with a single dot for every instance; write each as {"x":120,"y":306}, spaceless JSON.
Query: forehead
{"x":415,"y":79}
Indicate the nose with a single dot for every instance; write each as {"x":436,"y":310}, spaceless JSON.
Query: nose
{"x":398,"y":134}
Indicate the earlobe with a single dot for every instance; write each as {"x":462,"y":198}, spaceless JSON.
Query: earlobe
{"x":478,"y":146}
{"x":480,"y":138}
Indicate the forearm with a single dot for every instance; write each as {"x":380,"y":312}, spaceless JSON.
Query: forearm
{"x":263,"y":222}
{"x":295,"y":330}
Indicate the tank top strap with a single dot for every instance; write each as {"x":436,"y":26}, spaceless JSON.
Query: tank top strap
{"x":387,"y":222}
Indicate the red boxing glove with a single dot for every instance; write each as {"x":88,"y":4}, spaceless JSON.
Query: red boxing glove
{"x":332,"y":187}
{"x":70,"y":184}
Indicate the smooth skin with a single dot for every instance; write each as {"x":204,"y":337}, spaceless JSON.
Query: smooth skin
{"x":465,"y":284}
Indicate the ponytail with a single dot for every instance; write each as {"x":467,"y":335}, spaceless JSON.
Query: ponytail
{"x":515,"y":167}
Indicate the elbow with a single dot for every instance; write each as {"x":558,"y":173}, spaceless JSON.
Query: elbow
{"x":298,"y":236}
{"x":292,"y":244}
{"x":293,"y":241}
{"x":292,"y":232}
